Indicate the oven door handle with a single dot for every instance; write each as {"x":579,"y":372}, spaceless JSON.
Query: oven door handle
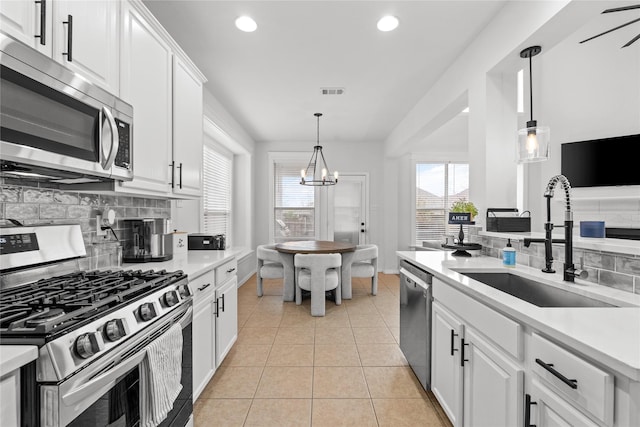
{"x":97,"y":383}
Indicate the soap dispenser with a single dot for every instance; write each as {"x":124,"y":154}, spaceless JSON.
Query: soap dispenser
{"x":509,"y":255}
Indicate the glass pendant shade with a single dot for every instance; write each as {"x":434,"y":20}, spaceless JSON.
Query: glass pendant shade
{"x":533,"y":143}
{"x":533,"y":140}
{"x":317,"y":172}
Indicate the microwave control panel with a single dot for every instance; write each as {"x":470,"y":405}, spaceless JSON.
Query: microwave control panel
{"x":123,"y":157}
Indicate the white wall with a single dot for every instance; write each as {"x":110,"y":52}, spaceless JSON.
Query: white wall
{"x":581,"y":92}
{"x":221,"y":126}
{"x":348,"y":157}
{"x":588,"y":91}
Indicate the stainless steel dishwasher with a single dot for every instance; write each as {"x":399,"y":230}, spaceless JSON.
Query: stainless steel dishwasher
{"x":415,"y":320}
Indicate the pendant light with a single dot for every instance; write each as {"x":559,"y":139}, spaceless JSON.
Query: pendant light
{"x":533,"y":141}
{"x":317,"y":172}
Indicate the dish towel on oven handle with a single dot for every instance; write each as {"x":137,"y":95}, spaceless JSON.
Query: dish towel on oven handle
{"x":160,"y":374}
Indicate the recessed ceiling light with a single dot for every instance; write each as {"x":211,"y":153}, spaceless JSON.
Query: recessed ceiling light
{"x":388,"y":23}
{"x":246,"y":24}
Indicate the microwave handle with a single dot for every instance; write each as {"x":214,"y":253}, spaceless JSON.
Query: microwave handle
{"x":115,"y":140}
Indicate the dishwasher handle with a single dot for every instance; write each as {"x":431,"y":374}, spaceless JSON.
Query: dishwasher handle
{"x":415,"y":279}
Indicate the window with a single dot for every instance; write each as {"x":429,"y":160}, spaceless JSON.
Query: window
{"x":217,"y":181}
{"x":294,"y":205}
{"x":438,"y":185}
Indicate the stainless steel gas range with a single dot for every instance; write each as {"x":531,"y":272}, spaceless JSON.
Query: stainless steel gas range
{"x":93,"y":330}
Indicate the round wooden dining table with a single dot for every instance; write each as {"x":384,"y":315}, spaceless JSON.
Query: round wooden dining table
{"x":288,"y":250}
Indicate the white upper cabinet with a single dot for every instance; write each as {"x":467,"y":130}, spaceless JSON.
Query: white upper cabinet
{"x":146,"y":84}
{"x":27,"y":21}
{"x":82,"y":35}
{"x":85,"y":39}
{"x":187,"y":130}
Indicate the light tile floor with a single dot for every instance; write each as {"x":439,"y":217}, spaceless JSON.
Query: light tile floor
{"x":291,"y":369}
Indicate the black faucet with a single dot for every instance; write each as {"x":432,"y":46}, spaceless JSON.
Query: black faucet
{"x":570,"y":272}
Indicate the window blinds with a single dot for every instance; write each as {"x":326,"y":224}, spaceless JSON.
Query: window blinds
{"x":217,"y":185}
{"x":294,"y":213}
{"x":438,"y":185}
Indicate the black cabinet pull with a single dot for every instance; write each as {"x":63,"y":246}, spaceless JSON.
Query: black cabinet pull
{"x":69,"y":52}
{"x":223,"y":303}
{"x":203,"y":287}
{"x":43,"y":22}
{"x":462,"y":359}
{"x":549,"y":367}
{"x":453,"y":334}
{"x":180,"y":168}
{"x":217,"y":308}
{"x":172,"y":166}
{"x":527,"y":410}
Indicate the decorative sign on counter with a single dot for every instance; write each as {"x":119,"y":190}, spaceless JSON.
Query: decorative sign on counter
{"x":460,"y":218}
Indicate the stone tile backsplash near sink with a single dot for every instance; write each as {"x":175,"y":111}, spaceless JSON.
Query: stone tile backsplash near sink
{"x":605,"y":268}
{"x":40,"y":205}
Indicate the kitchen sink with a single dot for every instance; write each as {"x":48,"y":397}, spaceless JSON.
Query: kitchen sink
{"x":534,"y":292}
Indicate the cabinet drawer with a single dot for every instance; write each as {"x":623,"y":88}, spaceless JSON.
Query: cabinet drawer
{"x":575,"y":378}
{"x":203,"y":288}
{"x":503,"y":331}
{"x":226,"y":271}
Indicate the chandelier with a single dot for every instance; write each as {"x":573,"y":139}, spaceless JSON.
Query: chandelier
{"x":317,"y":172}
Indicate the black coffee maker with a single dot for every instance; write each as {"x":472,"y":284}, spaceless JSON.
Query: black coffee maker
{"x":147,"y":240}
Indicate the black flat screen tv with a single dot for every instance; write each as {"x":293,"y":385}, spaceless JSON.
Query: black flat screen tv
{"x":602,"y":162}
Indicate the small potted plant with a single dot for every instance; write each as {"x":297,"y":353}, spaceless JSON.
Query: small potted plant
{"x":462,"y":206}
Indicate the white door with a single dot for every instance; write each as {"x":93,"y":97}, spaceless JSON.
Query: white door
{"x":187,"y":130}
{"x":226,"y":318}
{"x":146,"y":84}
{"x":550,"y":410}
{"x":23,"y":20}
{"x":493,"y":385}
{"x":350,"y":209}
{"x":446,"y":372}
{"x":92,"y":36}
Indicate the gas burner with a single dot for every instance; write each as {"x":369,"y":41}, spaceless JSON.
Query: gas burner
{"x":45,"y":316}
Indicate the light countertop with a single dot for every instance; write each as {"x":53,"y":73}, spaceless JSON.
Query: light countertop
{"x":13,"y":357}
{"x":608,"y":335}
{"x":193,"y":263}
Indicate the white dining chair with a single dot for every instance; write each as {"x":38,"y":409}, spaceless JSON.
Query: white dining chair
{"x":318,"y":273}
{"x":269,"y":266}
{"x":363,"y":262}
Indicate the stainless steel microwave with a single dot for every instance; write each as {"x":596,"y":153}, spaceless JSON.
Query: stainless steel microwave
{"x":57,"y":126}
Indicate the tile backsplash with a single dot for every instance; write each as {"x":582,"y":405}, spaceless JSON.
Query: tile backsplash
{"x":620,"y":271}
{"x":39,"y":205}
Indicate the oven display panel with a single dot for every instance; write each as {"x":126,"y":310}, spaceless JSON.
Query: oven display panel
{"x":16,"y":243}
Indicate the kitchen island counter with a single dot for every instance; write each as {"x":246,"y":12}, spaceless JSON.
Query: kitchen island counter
{"x":609,"y":335}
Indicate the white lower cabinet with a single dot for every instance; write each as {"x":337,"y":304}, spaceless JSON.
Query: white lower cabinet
{"x":446,"y":375}
{"x":475,"y":383}
{"x":493,"y":384}
{"x":226,"y":318}
{"x":10,"y":401}
{"x":204,"y":321}
{"x":544,"y":408}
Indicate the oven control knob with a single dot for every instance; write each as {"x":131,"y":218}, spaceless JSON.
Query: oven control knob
{"x":147,"y":311}
{"x":88,"y":344}
{"x":171,"y":298}
{"x":184,"y":291}
{"x":114,"y":329}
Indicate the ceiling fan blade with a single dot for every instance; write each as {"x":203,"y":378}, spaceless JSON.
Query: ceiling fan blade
{"x":633,"y":40}
{"x":622,"y":9}
{"x":613,"y":29}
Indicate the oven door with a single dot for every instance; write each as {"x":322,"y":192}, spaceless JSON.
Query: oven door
{"x":107,"y":393}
